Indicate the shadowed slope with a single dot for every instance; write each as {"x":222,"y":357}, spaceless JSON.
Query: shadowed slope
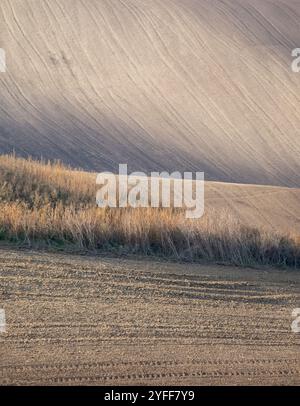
{"x":160,"y":84}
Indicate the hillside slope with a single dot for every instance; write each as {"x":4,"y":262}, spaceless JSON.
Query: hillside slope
{"x":195,"y":84}
{"x":272,"y":208}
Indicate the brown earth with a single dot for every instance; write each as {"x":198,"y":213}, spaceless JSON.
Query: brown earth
{"x":78,"y":320}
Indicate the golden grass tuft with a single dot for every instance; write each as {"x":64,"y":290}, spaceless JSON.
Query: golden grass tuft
{"x":51,"y":205}
{"x":39,"y":184}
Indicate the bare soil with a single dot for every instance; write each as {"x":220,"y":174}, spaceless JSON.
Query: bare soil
{"x":160,"y":85}
{"x":75,"y":320}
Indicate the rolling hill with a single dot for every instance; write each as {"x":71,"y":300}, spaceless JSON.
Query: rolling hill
{"x":161,"y":84}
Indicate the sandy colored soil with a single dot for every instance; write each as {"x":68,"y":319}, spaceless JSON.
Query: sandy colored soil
{"x":76,"y":320}
{"x":272,"y":208}
{"x":159,"y":84}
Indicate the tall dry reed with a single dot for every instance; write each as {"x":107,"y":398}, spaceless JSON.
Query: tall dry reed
{"x":51,"y":205}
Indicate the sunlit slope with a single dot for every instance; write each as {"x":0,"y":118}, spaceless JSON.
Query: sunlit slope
{"x":272,"y":208}
{"x":159,"y":84}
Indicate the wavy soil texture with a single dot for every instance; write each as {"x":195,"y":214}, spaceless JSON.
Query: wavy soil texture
{"x":80,"y":321}
{"x":266,"y":207}
{"x":162,"y":84}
